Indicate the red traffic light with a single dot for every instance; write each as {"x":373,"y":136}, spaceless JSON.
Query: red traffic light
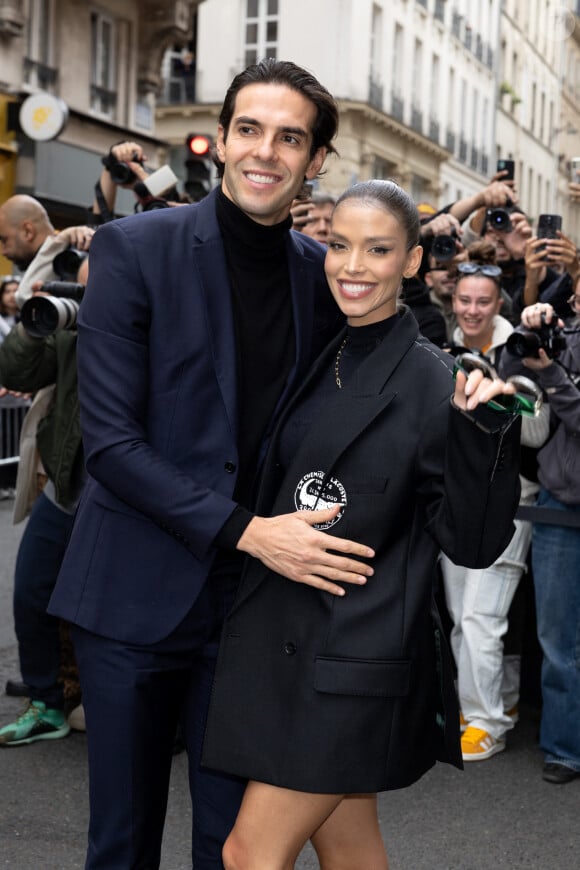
{"x":198,"y":144}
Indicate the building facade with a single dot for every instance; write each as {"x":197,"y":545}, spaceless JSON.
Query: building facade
{"x":102,"y":60}
{"x":391,"y":66}
{"x":431,"y":92}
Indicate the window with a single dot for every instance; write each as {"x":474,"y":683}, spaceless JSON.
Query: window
{"x":418,"y":72}
{"x":377,"y":44}
{"x":435,"y":83}
{"x":103,"y":65}
{"x":39,"y":71}
{"x":398,"y":60}
{"x":474,"y":129}
{"x":261,"y":30}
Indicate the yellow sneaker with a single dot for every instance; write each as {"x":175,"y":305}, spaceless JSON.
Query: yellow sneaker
{"x":477,"y":744}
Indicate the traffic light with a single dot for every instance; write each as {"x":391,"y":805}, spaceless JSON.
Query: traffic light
{"x":199,"y":165}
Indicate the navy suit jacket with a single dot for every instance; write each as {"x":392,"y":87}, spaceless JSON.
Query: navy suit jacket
{"x":158,"y":390}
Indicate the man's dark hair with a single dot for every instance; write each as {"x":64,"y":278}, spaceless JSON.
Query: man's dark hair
{"x":284,"y":72}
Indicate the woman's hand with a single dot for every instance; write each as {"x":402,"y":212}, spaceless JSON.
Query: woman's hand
{"x":475,"y":389}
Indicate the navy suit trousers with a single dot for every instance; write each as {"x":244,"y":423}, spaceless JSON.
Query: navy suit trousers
{"x":134,"y":697}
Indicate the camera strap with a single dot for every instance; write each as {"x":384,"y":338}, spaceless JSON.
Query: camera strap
{"x":104,"y":209}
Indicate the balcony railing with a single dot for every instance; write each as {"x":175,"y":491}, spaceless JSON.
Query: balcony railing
{"x":484,"y":163}
{"x":450,"y":141}
{"x":416,"y":119}
{"x":479,"y":47}
{"x":434,"y":130}
{"x":39,"y":74}
{"x":397,"y":107}
{"x":103,"y":100}
{"x":474,"y":159}
{"x":376,"y":94}
{"x":463,"y":150}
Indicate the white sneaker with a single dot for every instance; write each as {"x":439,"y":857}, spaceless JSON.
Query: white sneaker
{"x":76,"y":718}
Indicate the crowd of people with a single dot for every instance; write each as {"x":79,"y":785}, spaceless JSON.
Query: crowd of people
{"x":299,"y":423}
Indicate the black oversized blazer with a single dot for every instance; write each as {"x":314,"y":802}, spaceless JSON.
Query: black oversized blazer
{"x":355,"y":694}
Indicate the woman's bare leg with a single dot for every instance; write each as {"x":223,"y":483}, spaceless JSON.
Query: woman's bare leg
{"x":273,"y":825}
{"x":350,"y":839}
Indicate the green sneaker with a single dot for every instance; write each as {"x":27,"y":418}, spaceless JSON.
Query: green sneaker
{"x":35,"y":723}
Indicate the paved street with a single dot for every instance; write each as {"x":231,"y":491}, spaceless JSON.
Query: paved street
{"x":497,"y":814}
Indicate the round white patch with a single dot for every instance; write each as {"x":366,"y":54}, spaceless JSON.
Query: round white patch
{"x":310,"y":496}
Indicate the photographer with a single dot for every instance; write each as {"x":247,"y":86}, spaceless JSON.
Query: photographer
{"x":441,"y":234}
{"x":29,"y":240}
{"x":29,"y":363}
{"x":560,"y":251}
{"x":125,"y":166}
{"x":553,"y":358}
{"x":122,"y":167}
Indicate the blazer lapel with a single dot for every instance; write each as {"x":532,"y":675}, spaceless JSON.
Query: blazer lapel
{"x":345,"y":417}
{"x":210,"y":261}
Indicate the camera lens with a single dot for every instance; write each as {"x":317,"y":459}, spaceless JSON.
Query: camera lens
{"x":499,"y":219}
{"x":523,"y":344}
{"x":121,"y":173}
{"x":45,"y":315}
{"x":443,"y":248}
{"x":67,"y":263}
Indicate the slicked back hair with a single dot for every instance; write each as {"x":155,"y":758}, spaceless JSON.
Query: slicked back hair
{"x":284,"y":72}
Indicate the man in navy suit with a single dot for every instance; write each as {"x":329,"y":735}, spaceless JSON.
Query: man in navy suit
{"x":197,"y":324}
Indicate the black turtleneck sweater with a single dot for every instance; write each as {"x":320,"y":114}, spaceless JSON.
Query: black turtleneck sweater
{"x":257,"y":266}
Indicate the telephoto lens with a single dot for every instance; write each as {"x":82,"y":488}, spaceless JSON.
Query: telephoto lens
{"x":44,"y":315}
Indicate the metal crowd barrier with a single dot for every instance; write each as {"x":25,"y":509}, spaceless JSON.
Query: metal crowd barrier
{"x":12,"y":413}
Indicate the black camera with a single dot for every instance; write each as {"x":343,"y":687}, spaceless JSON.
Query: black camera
{"x":44,"y":315}
{"x":443,"y":247}
{"x":148,"y":202}
{"x":527,"y":342}
{"x":66,"y":264}
{"x":120,"y":172}
{"x":499,"y":219}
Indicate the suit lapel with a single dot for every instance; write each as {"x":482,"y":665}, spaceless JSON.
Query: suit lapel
{"x":302,"y":270}
{"x":210,"y":261}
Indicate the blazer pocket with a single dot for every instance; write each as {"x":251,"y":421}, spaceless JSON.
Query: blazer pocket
{"x":377,"y":679}
{"x":361,"y":484}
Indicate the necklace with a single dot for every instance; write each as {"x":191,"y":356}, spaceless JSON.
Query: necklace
{"x":337,"y":362}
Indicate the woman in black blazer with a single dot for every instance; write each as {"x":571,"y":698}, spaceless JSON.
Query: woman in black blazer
{"x":321,"y":700}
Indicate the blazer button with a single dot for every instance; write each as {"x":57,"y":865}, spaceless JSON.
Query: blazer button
{"x":229,"y":467}
{"x":290,"y":648}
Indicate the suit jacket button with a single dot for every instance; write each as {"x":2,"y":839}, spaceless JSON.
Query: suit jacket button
{"x":290,"y":648}
{"x":230,"y":467}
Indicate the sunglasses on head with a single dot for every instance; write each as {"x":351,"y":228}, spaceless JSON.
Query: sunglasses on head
{"x":487,"y":269}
